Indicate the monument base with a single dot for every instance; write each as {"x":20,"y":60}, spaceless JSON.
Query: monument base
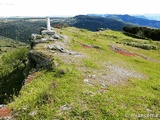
{"x":47,"y":32}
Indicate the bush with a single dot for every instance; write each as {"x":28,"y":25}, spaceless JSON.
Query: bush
{"x":143,"y":46}
{"x":143,"y":32}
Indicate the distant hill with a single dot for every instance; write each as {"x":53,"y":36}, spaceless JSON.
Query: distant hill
{"x":94,"y":22}
{"x":140,"y":16}
{"x":153,"y":16}
{"x":19,"y":29}
{"x":138,"y":20}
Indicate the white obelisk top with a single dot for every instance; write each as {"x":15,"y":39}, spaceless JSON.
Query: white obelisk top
{"x":48,"y":24}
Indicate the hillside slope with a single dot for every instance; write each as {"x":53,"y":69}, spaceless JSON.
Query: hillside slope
{"x":93,"y":23}
{"x":20,"y":29}
{"x":98,"y":77}
{"x":132,"y":19}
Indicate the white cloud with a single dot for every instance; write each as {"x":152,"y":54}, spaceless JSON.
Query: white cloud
{"x":74,"y":7}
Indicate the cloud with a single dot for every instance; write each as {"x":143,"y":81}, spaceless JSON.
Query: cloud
{"x":74,"y":7}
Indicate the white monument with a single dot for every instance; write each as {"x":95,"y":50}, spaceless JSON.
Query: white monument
{"x":48,"y":31}
{"x":48,"y":24}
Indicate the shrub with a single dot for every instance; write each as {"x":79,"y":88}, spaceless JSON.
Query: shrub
{"x":143,"y":46}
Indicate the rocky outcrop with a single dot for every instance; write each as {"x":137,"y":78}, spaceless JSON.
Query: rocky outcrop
{"x":43,"y":38}
{"x":40,"y":60}
{"x":35,"y":36}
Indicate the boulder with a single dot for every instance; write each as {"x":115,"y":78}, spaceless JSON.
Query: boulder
{"x":36,"y":36}
{"x":55,"y":36}
{"x":40,"y":60}
{"x":61,"y":49}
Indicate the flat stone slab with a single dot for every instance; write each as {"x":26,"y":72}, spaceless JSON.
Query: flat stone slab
{"x":48,"y":32}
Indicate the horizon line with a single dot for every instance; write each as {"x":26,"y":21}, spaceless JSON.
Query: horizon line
{"x":16,"y":16}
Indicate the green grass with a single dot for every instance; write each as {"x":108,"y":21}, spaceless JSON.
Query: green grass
{"x":50,"y":90}
{"x":90,"y":63}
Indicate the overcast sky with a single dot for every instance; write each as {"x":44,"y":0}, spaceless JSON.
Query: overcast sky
{"x":76,"y":7}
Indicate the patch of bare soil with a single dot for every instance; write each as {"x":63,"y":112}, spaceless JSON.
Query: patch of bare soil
{"x":30,"y":77}
{"x":118,"y":74}
{"x":5,"y":113}
{"x":130,"y":54}
{"x":111,"y":75}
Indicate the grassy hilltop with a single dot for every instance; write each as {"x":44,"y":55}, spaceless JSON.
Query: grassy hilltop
{"x":109,"y":79}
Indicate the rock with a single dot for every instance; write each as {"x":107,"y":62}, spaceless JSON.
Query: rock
{"x":7,"y":118}
{"x":33,"y":113}
{"x":66,"y":107}
{"x":43,"y":39}
{"x":2,"y":106}
{"x":97,"y":47}
{"x":35,"y":36}
{"x":103,"y":85}
{"x":24,"y":107}
{"x":55,"y":36}
{"x":86,"y":80}
{"x":149,"y":110}
{"x":40,"y":60}
{"x":51,"y":47}
{"x":100,"y":29}
{"x":61,"y":49}
{"x":52,"y":51}
{"x":74,"y":53}
{"x":92,"y":76}
{"x":52,"y":39}
{"x":48,"y":32}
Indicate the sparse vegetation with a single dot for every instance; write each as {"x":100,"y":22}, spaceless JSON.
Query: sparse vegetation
{"x":140,"y":45}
